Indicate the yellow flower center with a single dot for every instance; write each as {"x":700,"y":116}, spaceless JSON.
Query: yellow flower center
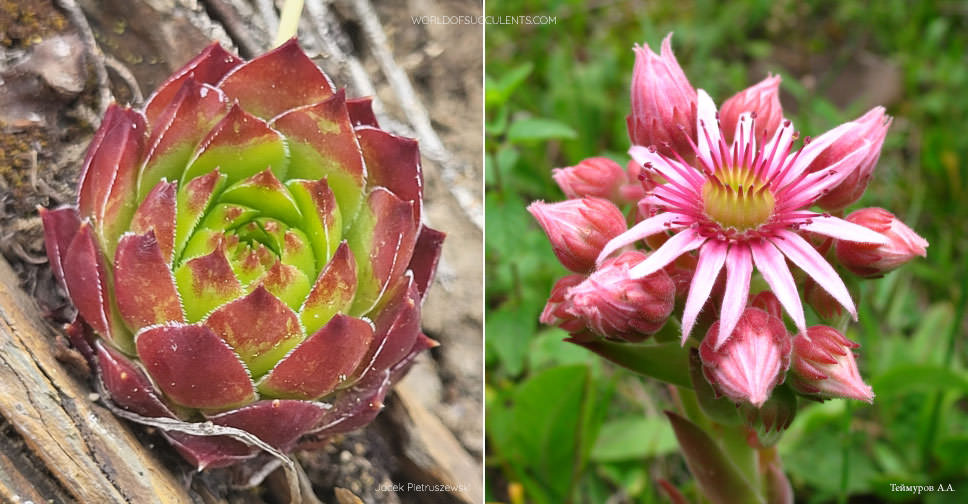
{"x":737,"y":198}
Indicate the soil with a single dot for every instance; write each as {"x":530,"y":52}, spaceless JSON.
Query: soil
{"x":54,"y":92}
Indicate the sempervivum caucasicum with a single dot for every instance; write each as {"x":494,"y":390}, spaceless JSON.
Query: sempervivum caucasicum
{"x":247,"y":250}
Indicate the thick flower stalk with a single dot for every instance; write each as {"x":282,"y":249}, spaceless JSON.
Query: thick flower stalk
{"x":247,"y":250}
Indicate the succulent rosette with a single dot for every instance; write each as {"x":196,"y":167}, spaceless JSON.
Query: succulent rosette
{"x":247,"y":250}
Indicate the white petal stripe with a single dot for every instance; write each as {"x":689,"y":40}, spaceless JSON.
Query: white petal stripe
{"x":813,"y":185}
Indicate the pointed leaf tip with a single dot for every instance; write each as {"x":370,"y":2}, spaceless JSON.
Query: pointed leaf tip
{"x":194,"y":367}
{"x":157,"y":214}
{"x":333,"y":292}
{"x":322,"y":362}
{"x":143,"y":283}
{"x":256,"y":84}
{"x":393,"y":162}
{"x":259,"y":327}
{"x":207,"y":68}
{"x":361,"y":111}
{"x":240,"y":145}
{"x":426,"y":255}
{"x":128,"y":385}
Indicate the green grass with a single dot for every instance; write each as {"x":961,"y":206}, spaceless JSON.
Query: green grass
{"x":564,"y":426}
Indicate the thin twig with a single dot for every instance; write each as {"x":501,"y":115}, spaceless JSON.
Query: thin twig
{"x":267,"y":10}
{"x":76,"y":16}
{"x":238,"y":23}
{"x":129,"y":79}
{"x":399,"y":81}
{"x":26,"y":256}
{"x":335,"y":44}
{"x":433,"y":148}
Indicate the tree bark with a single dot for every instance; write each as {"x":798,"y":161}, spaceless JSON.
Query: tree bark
{"x":59,"y":445}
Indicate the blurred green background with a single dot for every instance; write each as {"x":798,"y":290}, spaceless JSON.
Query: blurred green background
{"x":564,"y":426}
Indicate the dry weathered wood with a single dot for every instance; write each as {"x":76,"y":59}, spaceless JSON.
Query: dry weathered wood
{"x":83,"y":449}
{"x":22,"y":478}
{"x":433,"y":451}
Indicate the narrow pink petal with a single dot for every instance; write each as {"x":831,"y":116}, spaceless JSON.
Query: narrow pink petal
{"x":772,"y":266}
{"x":739,"y":267}
{"x":648,"y":227}
{"x":669,"y":197}
{"x":706,"y":119}
{"x":813,"y":185}
{"x":840,"y":229}
{"x":809,"y":260}
{"x":711,"y":258}
{"x":679,"y":244}
{"x":673,"y":171}
{"x":812,"y":150}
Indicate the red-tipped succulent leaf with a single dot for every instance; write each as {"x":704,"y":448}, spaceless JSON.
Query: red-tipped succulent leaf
{"x":247,"y":249}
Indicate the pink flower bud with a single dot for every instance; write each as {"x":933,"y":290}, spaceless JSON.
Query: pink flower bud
{"x":752,"y":361}
{"x":768,"y":302}
{"x":614,"y":305}
{"x":869,"y":260}
{"x":762,"y":100}
{"x":597,"y":176}
{"x":824,"y":366}
{"x":579,"y":228}
{"x":826,"y":307}
{"x":663,"y":102}
{"x":556,"y":311}
{"x":871,"y":127}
